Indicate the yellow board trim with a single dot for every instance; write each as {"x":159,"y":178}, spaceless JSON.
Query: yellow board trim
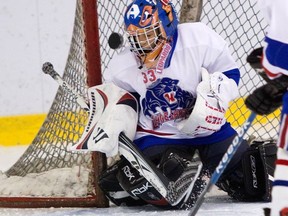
{"x":22,"y":129}
{"x":238,"y":113}
{"x":19,"y":130}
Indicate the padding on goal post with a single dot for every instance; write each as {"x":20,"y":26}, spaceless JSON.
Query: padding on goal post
{"x":47,"y":175}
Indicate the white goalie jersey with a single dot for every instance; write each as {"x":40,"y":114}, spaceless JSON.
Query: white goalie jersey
{"x":168,"y":94}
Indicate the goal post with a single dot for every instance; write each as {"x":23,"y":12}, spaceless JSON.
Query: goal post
{"x":47,"y":175}
{"x":94,"y":77}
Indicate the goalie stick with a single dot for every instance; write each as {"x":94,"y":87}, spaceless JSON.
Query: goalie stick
{"x":131,"y":152}
{"x":224,"y":162}
{"x":48,"y":68}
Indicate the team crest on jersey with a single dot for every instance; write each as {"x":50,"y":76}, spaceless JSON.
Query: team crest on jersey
{"x":166,"y":101}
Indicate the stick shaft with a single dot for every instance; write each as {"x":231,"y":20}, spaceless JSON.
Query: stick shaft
{"x":224,"y":162}
{"x":48,"y":69}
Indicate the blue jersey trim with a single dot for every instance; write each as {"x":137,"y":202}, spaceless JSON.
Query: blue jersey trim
{"x":285,"y":104}
{"x":233,"y":74}
{"x":174,"y":41}
{"x":280,"y":183}
{"x":150,"y":140}
{"x":276,"y":53}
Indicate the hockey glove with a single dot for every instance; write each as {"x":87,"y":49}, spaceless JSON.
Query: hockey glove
{"x":254,"y":58}
{"x":264,"y":100}
{"x":267,"y":98}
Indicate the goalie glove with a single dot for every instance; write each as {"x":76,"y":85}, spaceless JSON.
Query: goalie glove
{"x":112,"y":111}
{"x":213,"y":96}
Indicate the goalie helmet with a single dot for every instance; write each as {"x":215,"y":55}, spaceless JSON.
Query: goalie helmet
{"x":150,"y":24}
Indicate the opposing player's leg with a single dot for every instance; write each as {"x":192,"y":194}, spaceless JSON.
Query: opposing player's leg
{"x":248,"y":175}
{"x":279,"y":204}
{"x":280,"y":186}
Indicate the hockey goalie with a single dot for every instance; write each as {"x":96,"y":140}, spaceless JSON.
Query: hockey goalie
{"x":182,"y":77}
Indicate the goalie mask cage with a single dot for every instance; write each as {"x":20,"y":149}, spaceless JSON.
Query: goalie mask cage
{"x":47,"y":175}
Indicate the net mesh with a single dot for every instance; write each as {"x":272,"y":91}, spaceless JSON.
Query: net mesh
{"x":238,"y":22}
{"x":46,"y":164}
{"x":241,"y":24}
{"x":65,"y":121}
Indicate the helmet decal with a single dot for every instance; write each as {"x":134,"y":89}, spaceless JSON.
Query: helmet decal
{"x":146,"y":17}
{"x":165,"y":2}
{"x":143,"y":11}
{"x":169,"y":12}
{"x":132,"y":12}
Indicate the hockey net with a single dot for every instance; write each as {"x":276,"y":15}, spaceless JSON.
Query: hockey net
{"x":47,"y":175}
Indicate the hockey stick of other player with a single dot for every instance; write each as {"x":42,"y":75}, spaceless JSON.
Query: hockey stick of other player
{"x":48,"y":68}
{"x":130,"y":151}
{"x":224,"y":162}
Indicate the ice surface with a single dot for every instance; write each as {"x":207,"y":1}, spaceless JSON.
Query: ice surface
{"x":211,"y":207}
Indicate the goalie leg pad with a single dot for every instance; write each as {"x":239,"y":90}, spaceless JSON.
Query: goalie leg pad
{"x":259,"y":166}
{"x":184,"y":169}
{"x":137,"y":186}
{"x":252,"y":180}
{"x":178,"y":166}
{"x":174,"y":163}
{"x":109,"y":184}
